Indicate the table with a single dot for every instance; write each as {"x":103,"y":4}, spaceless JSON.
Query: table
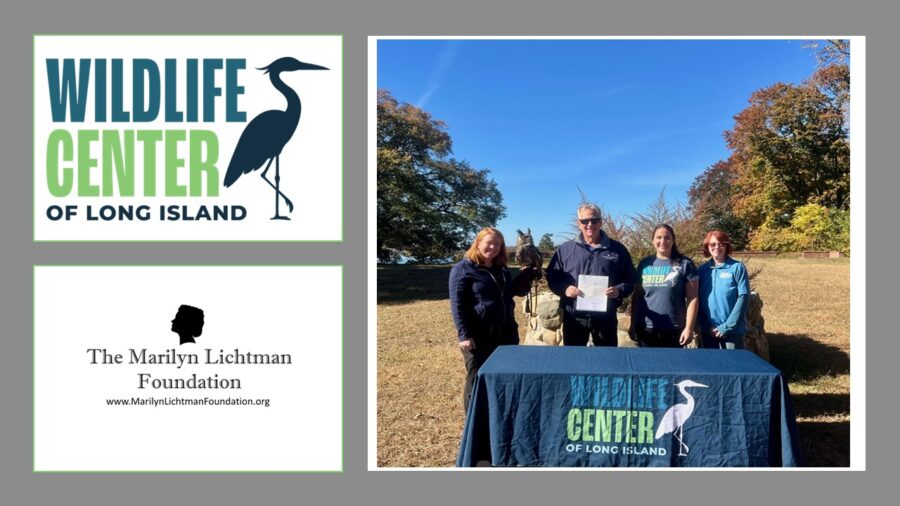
{"x":574,"y":407}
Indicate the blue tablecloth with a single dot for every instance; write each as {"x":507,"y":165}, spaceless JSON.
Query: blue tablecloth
{"x":574,"y":407}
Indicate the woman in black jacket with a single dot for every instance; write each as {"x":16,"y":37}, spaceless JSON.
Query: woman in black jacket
{"x":481,"y":300}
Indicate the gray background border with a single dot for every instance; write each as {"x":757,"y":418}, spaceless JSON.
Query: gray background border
{"x":386,"y":17}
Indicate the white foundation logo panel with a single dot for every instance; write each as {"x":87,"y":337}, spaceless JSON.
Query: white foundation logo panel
{"x":188,"y":368}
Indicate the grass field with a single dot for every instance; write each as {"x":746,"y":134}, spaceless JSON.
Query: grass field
{"x":421,"y":372}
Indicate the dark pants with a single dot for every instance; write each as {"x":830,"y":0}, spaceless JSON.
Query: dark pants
{"x":474,"y":360}
{"x":649,"y":338}
{"x":729,"y":342}
{"x":602,"y":329}
{"x":489,"y":338}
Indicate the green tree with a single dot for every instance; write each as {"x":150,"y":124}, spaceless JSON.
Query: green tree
{"x":711,"y":199}
{"x":546,"y":243}
{"x":428,"y":204}
{"x":813,"y":227}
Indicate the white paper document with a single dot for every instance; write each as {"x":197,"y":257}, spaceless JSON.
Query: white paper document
{"x":594,"y":290}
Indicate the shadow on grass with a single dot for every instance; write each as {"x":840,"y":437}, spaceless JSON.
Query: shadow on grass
{"x":813,"y":404}
{"x":825,"y":444}
{"x":399,"y":284}
{"x":801,"y":358}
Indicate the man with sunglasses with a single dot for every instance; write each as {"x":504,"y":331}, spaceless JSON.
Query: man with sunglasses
{"x":592,"y":253}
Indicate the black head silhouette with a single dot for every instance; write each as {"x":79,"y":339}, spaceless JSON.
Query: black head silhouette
{"x":188,"y":323}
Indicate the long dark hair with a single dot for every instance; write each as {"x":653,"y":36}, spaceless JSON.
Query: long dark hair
{"x":675,"y":255}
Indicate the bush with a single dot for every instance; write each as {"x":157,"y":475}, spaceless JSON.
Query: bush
{"x":813,"y":227}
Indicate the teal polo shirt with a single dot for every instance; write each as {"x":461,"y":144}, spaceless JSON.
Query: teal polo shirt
{"x":721,"y":288}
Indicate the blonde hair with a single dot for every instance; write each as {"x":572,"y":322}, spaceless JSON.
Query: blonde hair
{"x":475,"y":256}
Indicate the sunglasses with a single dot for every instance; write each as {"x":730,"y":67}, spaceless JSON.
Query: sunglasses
{"x":592,"y":221}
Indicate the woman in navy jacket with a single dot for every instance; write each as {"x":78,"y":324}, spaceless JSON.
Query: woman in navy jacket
{"x":481,"y":301}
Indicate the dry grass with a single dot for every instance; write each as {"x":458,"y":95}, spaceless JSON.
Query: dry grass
{"x":421,"y":372}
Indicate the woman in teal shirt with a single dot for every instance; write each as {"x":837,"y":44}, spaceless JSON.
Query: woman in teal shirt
{"x":664,"y":305}
{"x":724,"y":295}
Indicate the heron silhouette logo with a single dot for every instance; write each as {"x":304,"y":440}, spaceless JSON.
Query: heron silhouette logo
{"x":676,"y":416}
{"x":266,"y":135}
{"x":188,"y":323}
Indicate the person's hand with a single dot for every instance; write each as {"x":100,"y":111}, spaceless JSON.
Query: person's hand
{"x":717,"y":334}
{"x":468,"y":345}
{"x":530,"y":273}
{"x":686,"y":337}
{"x":612,"y":292}
{"x":572,"y":291}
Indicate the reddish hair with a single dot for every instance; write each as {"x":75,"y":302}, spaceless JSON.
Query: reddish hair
{"x":474,"y":255}
{"x":719,"y":236}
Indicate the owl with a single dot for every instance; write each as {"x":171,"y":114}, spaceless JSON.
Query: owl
{"x":527,"y":254}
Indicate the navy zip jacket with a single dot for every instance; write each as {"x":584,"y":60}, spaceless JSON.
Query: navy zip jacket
{"x":481,"y":301}
{"x":576,"y":257}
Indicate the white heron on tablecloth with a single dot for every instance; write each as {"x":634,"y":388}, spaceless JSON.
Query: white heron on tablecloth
{"x":675,"y":417}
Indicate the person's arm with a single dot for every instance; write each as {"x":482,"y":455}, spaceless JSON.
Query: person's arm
{"x":690,"y":293}
{"x":522,"y":282}
{"x":461,"y":304}
{"x":743,"y":300}
{"x":557,"y":278}
{"x":627,"y":275}
{"x":637,"y":315}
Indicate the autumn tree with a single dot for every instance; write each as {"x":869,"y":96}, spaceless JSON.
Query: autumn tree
{"x":429,"y":204}
{"x":792,"y":148}
{"x":829,"y":51}
{"x":790,"y":151}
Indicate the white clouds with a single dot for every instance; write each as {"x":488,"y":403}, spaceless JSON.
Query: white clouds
{"x":445,"y":62}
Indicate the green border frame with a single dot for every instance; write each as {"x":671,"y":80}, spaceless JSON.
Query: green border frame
{"x":173,"y":471}
{"x":34,"y":239}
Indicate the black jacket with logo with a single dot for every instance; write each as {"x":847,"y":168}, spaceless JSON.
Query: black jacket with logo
{"x":575,"y":257}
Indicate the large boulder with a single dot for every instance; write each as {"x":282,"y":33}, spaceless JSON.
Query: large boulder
{"x":545,"y":325}
{"x":545,"y":321}
{"x":756,"y":340}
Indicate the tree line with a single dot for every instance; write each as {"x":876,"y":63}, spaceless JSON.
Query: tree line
{"x":784,"y":187}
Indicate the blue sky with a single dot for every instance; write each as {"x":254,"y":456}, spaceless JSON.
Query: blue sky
{"x":621,"y":119}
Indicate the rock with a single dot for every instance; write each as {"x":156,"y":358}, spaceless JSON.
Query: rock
{"x":548,"y":321}
{"x":548,"y":311}
{"x":624,"y":340}
{"x":543,"y":337}
{"x":756,"y":340}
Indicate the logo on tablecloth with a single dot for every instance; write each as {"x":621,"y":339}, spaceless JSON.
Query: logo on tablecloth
{"x":617,"y":415}
{"x":676,"y":416}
